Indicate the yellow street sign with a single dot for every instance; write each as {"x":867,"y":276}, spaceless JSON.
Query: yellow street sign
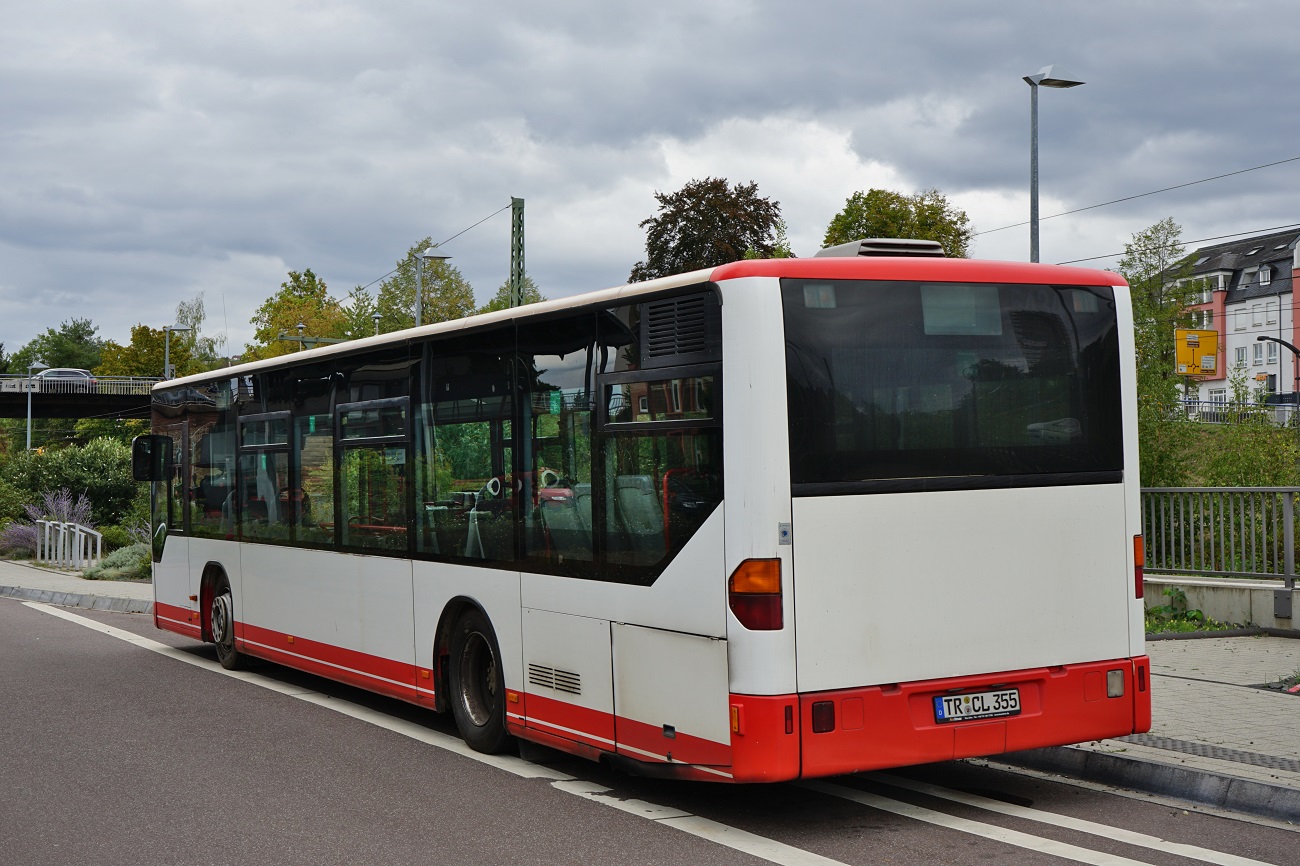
{"x":1197,"y":352}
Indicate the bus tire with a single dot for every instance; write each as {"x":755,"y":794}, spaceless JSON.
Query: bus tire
{"x":222,"y":619}
{"x":477,"y":684}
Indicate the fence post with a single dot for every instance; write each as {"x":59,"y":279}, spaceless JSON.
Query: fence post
{"x":1282,"y":597}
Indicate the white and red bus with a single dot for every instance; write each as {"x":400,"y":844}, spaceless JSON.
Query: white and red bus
{"x":772,"y":520}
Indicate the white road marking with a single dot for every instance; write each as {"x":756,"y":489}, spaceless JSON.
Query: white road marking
{"x":1117,"y":833}
{"x":711,"y":831}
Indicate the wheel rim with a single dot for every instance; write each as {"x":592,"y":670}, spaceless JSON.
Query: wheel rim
{"x":221,"y":632}
{"x":478,"y":676}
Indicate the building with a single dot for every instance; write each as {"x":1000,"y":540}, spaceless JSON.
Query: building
{"x":1247,"y":293}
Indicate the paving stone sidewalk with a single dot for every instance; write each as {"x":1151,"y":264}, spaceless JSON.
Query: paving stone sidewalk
{"x":32,"y":583}
{"x":1217,"y":736}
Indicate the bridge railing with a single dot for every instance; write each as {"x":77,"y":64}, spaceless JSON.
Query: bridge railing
{"x":118,"y":386}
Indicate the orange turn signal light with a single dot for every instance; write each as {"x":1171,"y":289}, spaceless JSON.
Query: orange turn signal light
{"x":757,"y":576}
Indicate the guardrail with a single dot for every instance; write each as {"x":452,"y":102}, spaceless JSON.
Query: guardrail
{"x":1224,"y":532}
{"x":118,"y":386}
{"x":68,"y":545}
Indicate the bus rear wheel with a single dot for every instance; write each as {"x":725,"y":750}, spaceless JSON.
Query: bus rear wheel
{"x":477,"y":684}
{"x":221,"y":619}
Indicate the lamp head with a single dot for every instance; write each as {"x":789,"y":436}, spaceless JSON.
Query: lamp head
{"x":1053,"y":76}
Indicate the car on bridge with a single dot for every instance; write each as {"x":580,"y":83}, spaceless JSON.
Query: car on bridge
{"x":64,"y":380}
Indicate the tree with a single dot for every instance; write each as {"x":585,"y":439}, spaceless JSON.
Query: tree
{"x":446,"y":294}
{"x":204,"y":350}
{"x":780,"y":245}
{"x":303,"y":299}
{"x":1156,"y":267}
{"x":145,"y":354}
{"x":359,"y":309}
{"x":704,"y":224}
{"x":501,"y":300}
{"x":4,"y":360}
{"x":882,"y":213}
{"x":74,"y":344}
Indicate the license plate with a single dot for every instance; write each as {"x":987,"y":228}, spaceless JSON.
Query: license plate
{"x":980,"y":705}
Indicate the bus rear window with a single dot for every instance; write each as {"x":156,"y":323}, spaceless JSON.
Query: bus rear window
{"x":930,"y":386}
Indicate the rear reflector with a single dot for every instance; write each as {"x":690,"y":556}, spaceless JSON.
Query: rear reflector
{"x":823,"y":717}
{"x":754,"y":594}
{"x":1139,"y":558}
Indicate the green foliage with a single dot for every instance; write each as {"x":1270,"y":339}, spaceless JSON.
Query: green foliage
{"x":359,"y":310}
{"x":127,"y":563}
{"x":882,"y":213}
{"x":704,"y":224}
{"x":501,"y":300}
{"x":446,"y":294}
{"x":74,"y":344}
{"x":12,"y":500}
{"x":780,"y":245}
{"x":1174,"y":616}
{"x":101,"y":470}
{"x":303,"y":299}
{"x":1156,"y":267}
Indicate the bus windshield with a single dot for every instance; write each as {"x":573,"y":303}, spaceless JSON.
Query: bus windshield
{"x":898,"y":385}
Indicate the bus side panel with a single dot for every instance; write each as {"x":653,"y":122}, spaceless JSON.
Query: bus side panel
{"x":902,"y":587}
{"x":670,"y":696}
{"x":569,"y":690}
{"x":1132,"y":481}
{"x":494,"y":590}
{"x":173,"y":610}
{"x":756,"y":473}
{"x":336,"y":601}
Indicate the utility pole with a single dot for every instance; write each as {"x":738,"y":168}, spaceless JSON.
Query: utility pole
{"x":516,"y":252}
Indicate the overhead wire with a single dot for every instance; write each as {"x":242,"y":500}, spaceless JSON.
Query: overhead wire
{"x":1142,"y":195}
{"x":440,"y":243}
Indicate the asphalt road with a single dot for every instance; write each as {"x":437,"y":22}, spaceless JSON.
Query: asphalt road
{"x":132,"y":747}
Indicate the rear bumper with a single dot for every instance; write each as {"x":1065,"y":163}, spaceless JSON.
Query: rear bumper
{"x":877,"y":727}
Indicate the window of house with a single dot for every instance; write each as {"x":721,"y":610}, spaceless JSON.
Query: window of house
{"x":1270,"y":312}
{"x":1272,"y":352}
{"x":1239,"y":319}
{"x":1265,"y":275}
{"x":1258,"y":354}
{"x":1257,"y":314}
{"x":1241,"y":356}
{"x":1218,"y":395}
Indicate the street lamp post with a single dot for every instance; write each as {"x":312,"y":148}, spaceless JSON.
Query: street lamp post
{"x":375,"y":316}
{"x":1048,"y":76}
{"x":420,"y":258}
{"x":32,"y":368}
{"x":168,"y":330}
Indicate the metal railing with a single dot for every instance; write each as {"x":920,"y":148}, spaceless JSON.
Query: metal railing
{"x":1220,"y":412}
{"x":1223,"y":532}
{"x":68,"y":545}
{"x":118,"y":386}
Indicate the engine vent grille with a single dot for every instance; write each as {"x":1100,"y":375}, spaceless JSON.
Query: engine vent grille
{"x":676,"y":327}
{"x":554,"y":678}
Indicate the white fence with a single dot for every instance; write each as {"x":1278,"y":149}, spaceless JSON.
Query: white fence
{"x":68,"y":545}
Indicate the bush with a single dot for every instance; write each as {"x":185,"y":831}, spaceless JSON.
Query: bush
{"x":116,"y":537}
{"x":127,"y":563}
{"x":101,"y":470}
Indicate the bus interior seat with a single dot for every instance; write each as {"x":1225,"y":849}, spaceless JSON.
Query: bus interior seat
{"x":640,"y":513}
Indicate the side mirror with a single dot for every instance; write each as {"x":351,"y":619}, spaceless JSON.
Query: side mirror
{"x":149,"y":457}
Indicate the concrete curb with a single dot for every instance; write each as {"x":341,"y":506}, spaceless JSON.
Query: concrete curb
{"x":83,"y":600}
{"x":1199,"y":786}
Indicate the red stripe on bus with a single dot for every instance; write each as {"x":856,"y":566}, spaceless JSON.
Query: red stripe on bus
{"x":570,"y":721}
{"x":636,"y":739}
{"x":915,"y":268}
{"x":386,"y":676}
{"x":181,"y":620}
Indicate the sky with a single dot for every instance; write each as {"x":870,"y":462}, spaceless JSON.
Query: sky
{"x":154,"y":151}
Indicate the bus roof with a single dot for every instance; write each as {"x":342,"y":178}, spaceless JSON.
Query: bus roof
{"x":845,"y":268}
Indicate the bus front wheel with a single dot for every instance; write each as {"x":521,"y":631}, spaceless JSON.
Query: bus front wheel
{"x":477,"y":686}
{"x":222,"y":620}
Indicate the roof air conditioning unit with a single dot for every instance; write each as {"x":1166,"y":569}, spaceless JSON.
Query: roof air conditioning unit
{"x":883,"y":247}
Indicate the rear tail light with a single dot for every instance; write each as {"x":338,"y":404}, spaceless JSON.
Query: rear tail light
{"x":754,"y":594}
{"x":1139,"y":557}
